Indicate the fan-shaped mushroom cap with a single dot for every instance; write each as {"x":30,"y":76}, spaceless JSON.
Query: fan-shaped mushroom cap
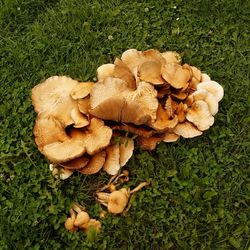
{"x":150,"y":71}
{"x":213,"y":87}
{"x":84,"y":105}
{"x":204,"y":95}
{"x":176,"y":75}
{"x":118,"y":200}
{"x":53,"y":98}
{"x":149,"y":143}
{"x":79,"y":119}
{"x":205,"y":77}
{"x":187,"y":130}
{"x":113,"y":100}
{"x":126,"y":150}
{"x":105,"y":70}
{"x":95,"y":164}
{"x":77,"y":163}
{"x":200,"y":115}
{"x":81,"y":90}
{"x":112,"y":163}
{"x":96,"y":137}
{"x":171,"y":57}
{"x":170,"y":137}
{"x":196,"y":76}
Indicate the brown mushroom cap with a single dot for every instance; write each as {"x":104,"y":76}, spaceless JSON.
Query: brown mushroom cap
{"x":113,"y":100}
{"x":171,"y":57}
{"x":53,"y":98}
{"x":149,"y":143}
{"x":81,"y":90}
{"x":187,"y":130}
{"x":170,"y":137}
{"x":77,"y":163}
{"x":176,"y":75}
{"x":200,"y":115}
{"x":105,"y":70}
{"x":92,"y":140}
{"x":95,"y":164}
{"x":118,"y":200}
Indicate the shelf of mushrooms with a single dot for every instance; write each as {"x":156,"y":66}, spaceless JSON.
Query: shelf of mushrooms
{"x":147,"y":94}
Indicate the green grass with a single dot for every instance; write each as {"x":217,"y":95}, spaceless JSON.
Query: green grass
{"x":199,"y":197}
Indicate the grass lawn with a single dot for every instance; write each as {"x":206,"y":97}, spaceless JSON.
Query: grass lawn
{"x":200,"y":188}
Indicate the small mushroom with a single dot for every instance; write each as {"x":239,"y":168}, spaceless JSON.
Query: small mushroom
{"x":205,"y":77}
{"x":200,"y":115}
{"x":170,"y":137}
{"x":81,"y":219}
{"x":126,"y":150}
{"x":187,"y":130}
{"x":60,"y":172}
{"x":69,"y":223}
{"x":92,"y":224}
{"x":112,"y":163}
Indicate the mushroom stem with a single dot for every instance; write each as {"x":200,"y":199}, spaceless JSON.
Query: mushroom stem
{"x":140,"y":186}
{"x":78,"y":208}
{"x":72,"y":214}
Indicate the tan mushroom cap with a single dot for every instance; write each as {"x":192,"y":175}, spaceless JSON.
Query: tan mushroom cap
{"x":205,"y":77}
{"x":181,"y":112}
{"x":81,"y":218}
{"x":187,"y":130}
{"x":171,"y":57}
{"x":196,"y":76}
{"x":176,"y":75}
{"x":113,"y":100}
{"x":213,"y":87}
{"x":95,"y":164}
{"x":105,"y":70}
{"x":53,"y":98}
{"x":84,"y":105}
{"x":93,"y":223}
{"x":112,"y":163}
{"x":170,"y":137}
{"x":210,"y":99}
{"x":149,"y":143}
{"x":200,"y":115}
{"x":77,"y":163}
{"x":81,"y":90}
{"x":126,"y":150}
{"x":163,"y":121}
{"x":150,"y":71}
{"x":96,"y":137}
{"x":69,"y":223}
{"x":60,"y":172}
{"x":79,"y":119}
{"x":118,"y":201}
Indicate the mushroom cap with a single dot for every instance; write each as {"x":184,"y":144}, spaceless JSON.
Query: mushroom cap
{"x":81,"y":218}
{"x":112,"y":163}
{"x":105,"y":70}
{"x":213,"y":87}
{"x":95,"y":164}
{"x":176,"y":75}
{"x":187,"y":130}
{"x":76,"y":163}
{"x":171,"y":57}
{"x":200,"y":115}
{"x":81,"y":90}
{"x":132,"y":58}
{"x":126,"y":150}
{"x":93,"y":223}
{"x":69,"y":225}
{"x":53,"y":98}
{"x":205,"y":77}
{"x":92,"y":140}
{"x":79,"y":119}
{"x":84,"y":105}
{"x":60,"y":172}
{"x":210,"y":99}
{"x":170,"y":137}
{"x":149,"y":143}
{"x":113,"y":100}
{"x":150,"y":71}
{"x":118,"y":200}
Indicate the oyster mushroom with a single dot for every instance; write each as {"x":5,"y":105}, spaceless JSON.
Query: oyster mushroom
{"x":187,"y":130}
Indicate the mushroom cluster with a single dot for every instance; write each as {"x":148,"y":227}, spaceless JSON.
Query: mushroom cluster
{"x":148,"y":94}
{"x":79,"y":218}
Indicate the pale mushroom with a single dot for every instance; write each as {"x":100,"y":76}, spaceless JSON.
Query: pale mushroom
{"x":81,"y":90}
{"x":104,"y":71}
{"x":170,"y":137}
{"x":205,"y":77}
{"x":200,"y":115}
{"x":81,"y":219}
{"x":60,"y":172}
{"x":79,"y":119}
{"x":187,"y":130}
{"x":69,"y":223}
{"x":95,"y":164}
{"x":112,"y":163}
{"x":213,"y":87}
{"x":126,"y":147}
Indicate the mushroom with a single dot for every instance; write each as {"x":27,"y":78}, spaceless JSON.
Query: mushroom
{"x":113,"y":100}
{"x":81,"y":90}
{"x":53,"y":98}
{"x":126,"y":148}
{"x":171,"y":57}
{"x":69,"y":223}
{"x":149,"y":143}
{"x":200,"y":115}
{"x":82,"y":218}
{"x":187,"y":130}
{"x":95,"y":164}
{"x":112,"y":163}
{"x":205,"y":77}
{"x":79,"y":119}
{"x":212,"y":87}
{"x":176,"y":75}
{"x":93,"y":139}
{"x":76,"y":163}
{"x":104,"y":71}
{"x":60,"y":172}
{"x":92,"y":224}
{"x":170,"y":137}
